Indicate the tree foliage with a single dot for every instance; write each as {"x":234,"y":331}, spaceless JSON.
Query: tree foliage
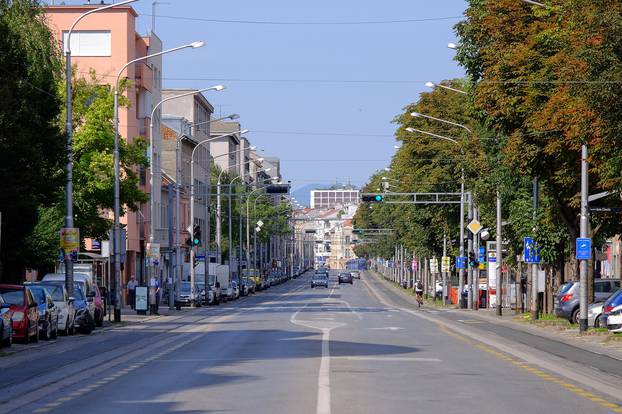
{"x":32,"y":147}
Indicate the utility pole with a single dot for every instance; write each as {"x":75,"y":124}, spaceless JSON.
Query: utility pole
{"x":499,"y":258}
{"x":583,"y":230}
{"x":476,"y":270}
{"x":534,"y":266}
{"x":461,"y":272}
{"x":470,"y":249}
{"x":444,"y":273}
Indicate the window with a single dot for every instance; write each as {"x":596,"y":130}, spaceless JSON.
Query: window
{"x":90,"y":43}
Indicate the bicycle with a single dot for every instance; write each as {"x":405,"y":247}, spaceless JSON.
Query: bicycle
{"x":419,"y":299}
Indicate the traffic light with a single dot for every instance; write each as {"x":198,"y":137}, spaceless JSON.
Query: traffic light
{"x":372,"y":198}
{"x":472,"y":261}
{"x":196,"y":235}
{"x":277,"y":189}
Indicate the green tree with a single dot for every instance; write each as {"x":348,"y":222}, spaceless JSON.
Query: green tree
{"x":32,"y":147}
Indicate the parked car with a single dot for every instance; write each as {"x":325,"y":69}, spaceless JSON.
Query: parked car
{"x":6,"y":324}
{"x":90,"y":290}
{"x":48,"y":312}
{"x":614,"y":320}
{"x":319,"y":279}
{"x":235,"y":289}
{"x":567,"y":298}
{"x":345,"y":277}
{"x":66,"y":310}
{"x":594,"y":310}
{"x":613,"y":301}
{"x":252,"y":287}
{"x":24,"y":312}
{"x":355,"y":274}
{"x":185,"y":294}
{"x":84,"y":321}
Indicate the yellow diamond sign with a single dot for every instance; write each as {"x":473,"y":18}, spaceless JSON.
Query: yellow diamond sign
{"x":474,"y":226}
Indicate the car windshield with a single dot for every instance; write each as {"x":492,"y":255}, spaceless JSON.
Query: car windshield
{"x":13,"y":296}
{"x":77,"y":293}
{"x":56,"y":292}
{"x":185,"y":287}
{"x":39,"y":294}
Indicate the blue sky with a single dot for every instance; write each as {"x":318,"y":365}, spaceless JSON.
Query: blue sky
{"x":258,"y":59}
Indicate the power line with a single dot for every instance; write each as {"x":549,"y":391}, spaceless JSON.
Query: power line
{"x":311,"y":23}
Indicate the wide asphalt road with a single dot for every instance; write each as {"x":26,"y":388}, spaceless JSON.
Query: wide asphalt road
{"x":292,"y":349}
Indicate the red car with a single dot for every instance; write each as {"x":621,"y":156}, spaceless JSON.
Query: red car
{"x":24,"y":312}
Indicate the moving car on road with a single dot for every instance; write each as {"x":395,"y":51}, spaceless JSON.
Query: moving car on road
{"x":48,"y":312}
{"x":319,"y":279}
{"x":345,"y":277}
{"x":355,"y":274}
{"x":6,"y":324}
{"x":24,"y":312}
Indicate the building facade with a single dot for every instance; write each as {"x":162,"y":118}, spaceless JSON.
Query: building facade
{"x":104,"y":43}
{"x":334,"y":197}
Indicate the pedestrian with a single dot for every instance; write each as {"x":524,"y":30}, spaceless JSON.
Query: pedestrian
{"x":131,"y":291}
{"x":154,"y":294}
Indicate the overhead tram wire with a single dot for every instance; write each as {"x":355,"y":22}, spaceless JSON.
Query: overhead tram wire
{"x":311,"y":23}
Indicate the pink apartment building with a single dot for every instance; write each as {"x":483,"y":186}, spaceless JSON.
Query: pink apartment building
{"x":105,"y":42}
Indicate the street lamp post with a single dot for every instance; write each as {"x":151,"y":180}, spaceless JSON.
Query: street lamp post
{"x":69,"y":130}
{"x":155,"y":174}
{"x":461,"y":273}
{"x":218,"y":200}
{"x":231,"y":223}
{"x":117,"y":207}
{"x":180,"y":136}
{"x":200,"y":144}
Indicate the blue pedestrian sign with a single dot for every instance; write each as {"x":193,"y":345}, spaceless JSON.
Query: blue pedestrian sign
{"x":481,"y":257}
{"x":584,"y":248}
{"x":460,"y":262}
{"x":531,"y":254}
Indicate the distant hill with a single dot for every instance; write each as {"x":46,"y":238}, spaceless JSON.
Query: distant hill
{"x":302,"y":194}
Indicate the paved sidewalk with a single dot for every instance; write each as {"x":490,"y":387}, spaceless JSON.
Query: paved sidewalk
{"x":596,"y":342}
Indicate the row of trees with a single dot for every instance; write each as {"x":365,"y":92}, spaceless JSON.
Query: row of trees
{"x":33,"y":149}
{"x":541,"y":81}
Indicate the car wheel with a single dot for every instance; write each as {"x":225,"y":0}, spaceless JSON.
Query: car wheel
{"x":55,"y":331}
{"x":597,"y":322}
{"x":574,"y":318}
{"x":35,"y":337}
{"x":47,"y":334}
{"x":9,"y":341}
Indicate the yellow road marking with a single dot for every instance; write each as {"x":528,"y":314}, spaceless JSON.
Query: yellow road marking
{"x":536,"y":371}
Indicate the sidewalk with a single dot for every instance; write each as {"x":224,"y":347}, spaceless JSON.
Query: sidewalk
{"x":601,"y":343}
{"x":129,"y":316}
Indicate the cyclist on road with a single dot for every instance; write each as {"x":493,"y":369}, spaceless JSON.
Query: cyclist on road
{"x":419,"y":293}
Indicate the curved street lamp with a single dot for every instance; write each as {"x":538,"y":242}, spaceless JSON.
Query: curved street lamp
{"x":117,"y":206}
{"x":69,"y":130}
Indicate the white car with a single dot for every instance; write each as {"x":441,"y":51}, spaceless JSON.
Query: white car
{"x":66,"y":311}
{"x":614,"y":320}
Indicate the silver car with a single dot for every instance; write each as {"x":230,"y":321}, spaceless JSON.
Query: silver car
{"x":594,"y":311}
